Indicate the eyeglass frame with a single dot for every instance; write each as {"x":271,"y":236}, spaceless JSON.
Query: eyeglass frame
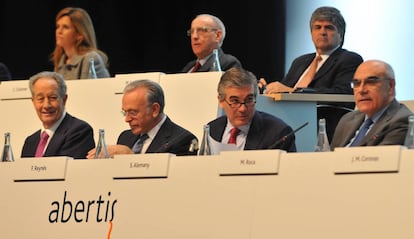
{"x":202,"y":29}
{"x":132,"y":113}
{"x":247,"y":103}
{"x":370,"y":81}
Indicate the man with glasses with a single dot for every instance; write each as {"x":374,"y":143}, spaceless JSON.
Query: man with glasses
{"x":242,"y":125}
{"x":207,"y":33}
{"x":151,"y":130}
{"x":380,"y":118}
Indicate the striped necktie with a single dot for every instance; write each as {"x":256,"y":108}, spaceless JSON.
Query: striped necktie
{"x":137,"y":148}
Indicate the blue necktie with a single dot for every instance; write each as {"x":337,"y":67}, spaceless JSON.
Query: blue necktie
{"x":362,"y":132}
{"x":137,"y":148}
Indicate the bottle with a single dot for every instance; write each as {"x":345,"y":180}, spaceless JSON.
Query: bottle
{"x":205,"y":148}
{"x":323,"y":143}
{"x":7,"y":149}
{"x":216,"y":63}
{"x":92,"y":70}
{"x":409,"y":137}
{"x":101,"y":149}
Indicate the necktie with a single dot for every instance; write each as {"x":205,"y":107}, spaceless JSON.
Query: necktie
{"x":308,"y":77}
{"x":140,"y":142}
{"x":362,"y":132}
{"x":196,"y":66}
{"x":233,"y":136}
{"x":42,"y":144}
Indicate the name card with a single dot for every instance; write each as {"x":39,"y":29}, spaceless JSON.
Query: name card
{"x":40,"y":169}
{"x":13,"y":90}
{"x":367,"y":159}
{"x":135,"y":166}
{"x":249,"y":162}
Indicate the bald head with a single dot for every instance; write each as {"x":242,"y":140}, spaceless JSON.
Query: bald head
{"x":374,"y":86}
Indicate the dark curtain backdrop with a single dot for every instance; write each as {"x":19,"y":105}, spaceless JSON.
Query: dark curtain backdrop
{"x":147,"y":37}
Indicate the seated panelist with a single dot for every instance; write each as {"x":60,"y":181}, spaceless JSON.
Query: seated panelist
{"x":151,"y":130}
{"x":61,"y":134}
{"x":380,"y":118}
{"x":242,"y":124}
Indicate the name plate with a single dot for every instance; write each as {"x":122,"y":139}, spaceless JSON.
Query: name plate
{"x":40,"y":169}
{"x":249,"y":162}
{"x":368,"y":159}
{"x":135,"y":166}
{"x":12,"y":90}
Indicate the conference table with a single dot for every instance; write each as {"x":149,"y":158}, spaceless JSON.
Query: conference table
{"x":362,"y":192}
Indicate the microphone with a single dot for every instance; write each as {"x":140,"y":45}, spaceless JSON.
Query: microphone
{"x":284,"y":138}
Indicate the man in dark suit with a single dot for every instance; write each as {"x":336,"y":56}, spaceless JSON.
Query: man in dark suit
{"x":207,"y":33}
{"x":374,"y":93}
{"x":151,"y":130}
{"x":63,"y":134}
{"x":237,"y":91}
{"x":334,"y":69}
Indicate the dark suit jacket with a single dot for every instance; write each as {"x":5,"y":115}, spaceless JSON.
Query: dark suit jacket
{"x":265,"y":130}
{"x":390,"y":129}
{"x":171,"y":138}
{"x":227,"y":61}
{"x":4,"y":72}
{"x":334,"y":76}
{"x":73,"y":138}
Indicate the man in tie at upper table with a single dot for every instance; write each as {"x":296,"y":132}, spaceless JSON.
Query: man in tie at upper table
{"x":207,"y":33}
{"x":242,"y":125}
{"x":151,"y":130}
{"x":374,"y":93}
{"x":61,"y":134}
{"x":333,"y":72}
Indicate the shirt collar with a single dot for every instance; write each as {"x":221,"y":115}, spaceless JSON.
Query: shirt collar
{"x":51,"y":131}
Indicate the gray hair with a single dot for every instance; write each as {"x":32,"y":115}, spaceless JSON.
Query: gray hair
{"x":60,"y":80}
{"x":155,"y":94}
{"x":219,"y":24}
{"x":236,"y":77}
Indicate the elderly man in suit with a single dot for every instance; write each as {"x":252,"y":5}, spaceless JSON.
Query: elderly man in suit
{"x":207,"y":33}
{"x":151,"y":130}
{"x":61,"y":134}
{"x":380,"y":118}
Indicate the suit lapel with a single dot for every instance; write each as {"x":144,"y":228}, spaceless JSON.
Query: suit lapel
{"x":58,"y":136}
{"x":356,"y":122}
{"x":378,"y":127}
{"x":254,"y":136}
{"x":161,"y":138}
{"x":329,"y":63}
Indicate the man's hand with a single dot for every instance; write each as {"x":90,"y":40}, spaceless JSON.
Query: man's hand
{"x":112,"y":150}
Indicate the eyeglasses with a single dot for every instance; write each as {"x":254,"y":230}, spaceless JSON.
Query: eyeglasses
{"x":370,"y":81}
{"x":131,"y":113}
{"x":235,"y":104}
{"x":199,"y":30}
